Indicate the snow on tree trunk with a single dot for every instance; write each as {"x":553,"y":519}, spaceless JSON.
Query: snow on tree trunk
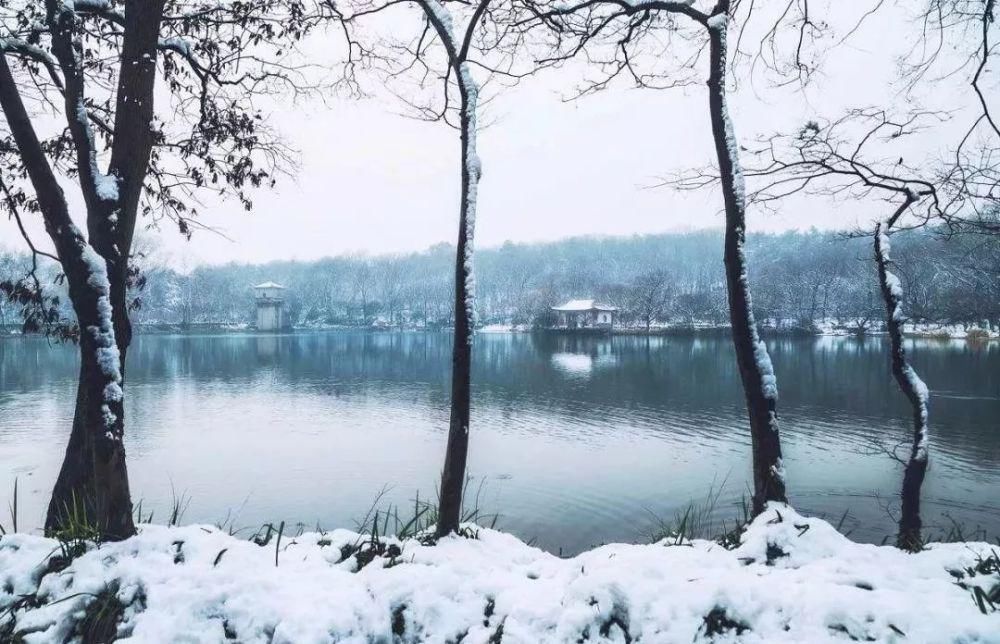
{"x":756,"y":373}
{"x":909,"y":537}
{"x":130,"y":155}
{"x":93,"y":481}
{"x":456,"y":452}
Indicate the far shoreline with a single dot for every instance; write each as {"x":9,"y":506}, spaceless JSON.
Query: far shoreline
{"x":694,"y":330}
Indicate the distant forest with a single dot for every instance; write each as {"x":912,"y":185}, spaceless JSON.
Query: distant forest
{"x":798,"y":279}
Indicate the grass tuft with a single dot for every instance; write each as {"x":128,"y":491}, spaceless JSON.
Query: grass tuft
{"x":955,"y":532}
{"x":12,"y":510}
{"x":381,"y":532}
{"x":982,"y":580}
{"x":75,"y":535}
{"x":178,"y":506}
{"x":698,"y":521}
{"x":101,"y":616}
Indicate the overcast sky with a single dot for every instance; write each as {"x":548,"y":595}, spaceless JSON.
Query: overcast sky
{"x":374,"y":181}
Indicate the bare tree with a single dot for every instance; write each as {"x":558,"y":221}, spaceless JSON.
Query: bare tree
{"x":93,"y":66}
{"x":626,"y":24}
{"x":916,"y":392}
{"x":459,"y":50}
{"x":650,"y":296}
{"x":456,"y":45}
{"x":956,"y":41}
{"x":838,"y":159}
{"x":389,"y":280}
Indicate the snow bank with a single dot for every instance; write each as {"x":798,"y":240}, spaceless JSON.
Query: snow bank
{"x":792,"y":579}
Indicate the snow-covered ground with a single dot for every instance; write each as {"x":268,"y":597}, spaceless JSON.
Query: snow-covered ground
{"x":504,"y":328}
{"x":496,"y":328}
{"x":792,"y":579}
{"x":954,"y":331}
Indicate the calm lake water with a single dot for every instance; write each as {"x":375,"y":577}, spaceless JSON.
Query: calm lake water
{"x":575,"y":441}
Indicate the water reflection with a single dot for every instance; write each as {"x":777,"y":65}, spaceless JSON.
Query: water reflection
{"x":578,"y":438}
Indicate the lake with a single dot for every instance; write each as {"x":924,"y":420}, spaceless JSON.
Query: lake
{"x":575,"y":441}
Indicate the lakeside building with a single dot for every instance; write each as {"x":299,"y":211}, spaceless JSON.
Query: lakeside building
{"x":584,"y":314}
{"x":270,"y":299}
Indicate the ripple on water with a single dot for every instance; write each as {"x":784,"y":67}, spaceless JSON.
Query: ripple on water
{"x":581,"y":441}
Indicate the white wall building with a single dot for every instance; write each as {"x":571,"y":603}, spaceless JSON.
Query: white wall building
{"x":584,"y":314}
{"x":270,"y":298}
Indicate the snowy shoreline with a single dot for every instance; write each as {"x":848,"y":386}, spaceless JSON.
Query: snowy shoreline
{"x":792,"y":579}
{"x":921,"y":331}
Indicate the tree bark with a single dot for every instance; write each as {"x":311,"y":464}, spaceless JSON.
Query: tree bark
{"x":753,"y":361}
{"x":92,"y":486}
{"x":456,"y":452}
{"x":909,"y":535}
{"x":130,"y":154}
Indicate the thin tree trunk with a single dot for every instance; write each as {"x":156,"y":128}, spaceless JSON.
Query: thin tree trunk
{"x":756,"y":373}
{"x":456,"y":453}
{"x":909,"y":536}
{"x":111,"y":232}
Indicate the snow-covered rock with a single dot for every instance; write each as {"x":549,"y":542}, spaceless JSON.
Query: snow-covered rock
{"x":792,"y":579}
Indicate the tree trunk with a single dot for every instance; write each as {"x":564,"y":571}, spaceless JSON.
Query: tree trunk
{"x":92,"y":488}
{"x":456,"y":453}
{"x":909,"y":536}
{"x":757,"y":375}
{"x":111,"y":232}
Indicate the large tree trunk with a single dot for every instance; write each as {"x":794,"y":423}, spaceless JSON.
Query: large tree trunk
{"x":93,"y":480}
{"x":909,"y":536}
{"x":759,"y":384}
{"x":456,"y":454}
{"x":92,"y":487}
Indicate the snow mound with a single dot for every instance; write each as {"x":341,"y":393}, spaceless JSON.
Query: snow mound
{"x":792,"y":579}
